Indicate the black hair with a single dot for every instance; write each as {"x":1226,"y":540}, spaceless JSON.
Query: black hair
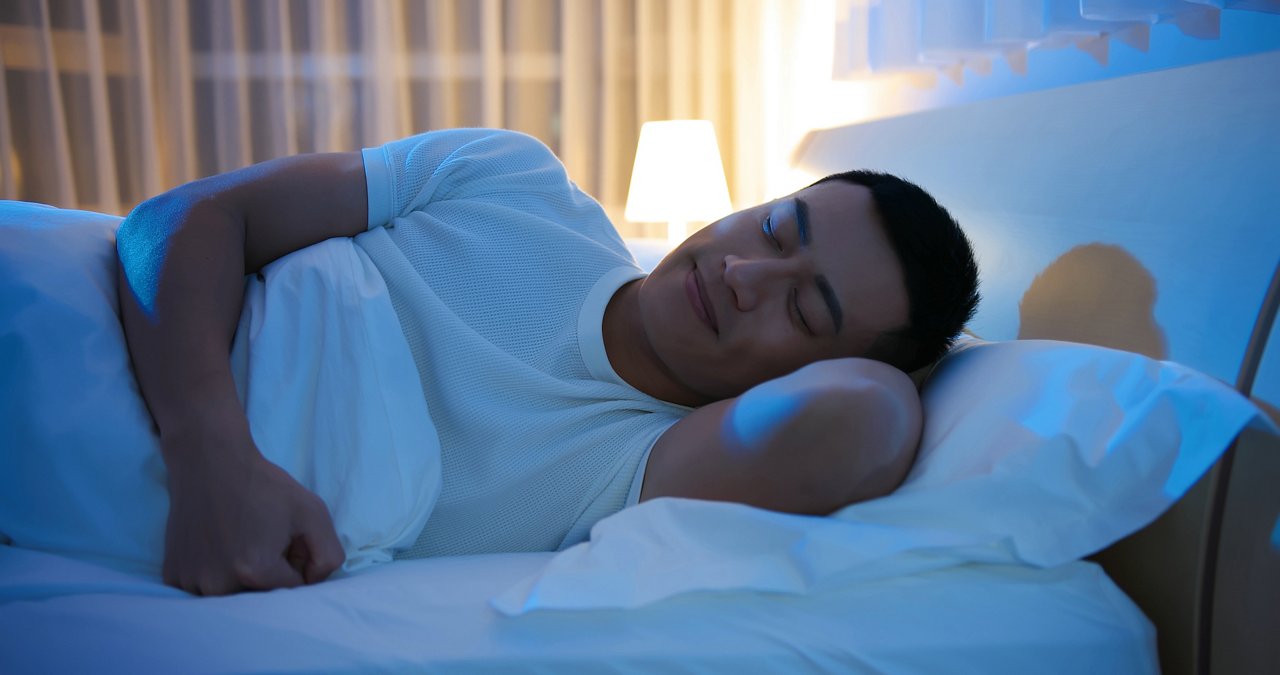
{"x":938,"y":268}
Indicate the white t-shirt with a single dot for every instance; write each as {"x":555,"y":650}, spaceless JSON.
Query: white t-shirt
{"x":500,"y":270}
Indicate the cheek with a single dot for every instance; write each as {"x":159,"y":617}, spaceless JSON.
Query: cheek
{"x":721,"y":227}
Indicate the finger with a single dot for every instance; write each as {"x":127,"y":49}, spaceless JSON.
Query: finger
{"x":170,"y":575}
{"x":297,"y":554}
{"x":183,"y":582}
{"x":325,"y":557}
{"x":324,"y":550}
{"x":215,"y":584}
{"x":269,"y":574}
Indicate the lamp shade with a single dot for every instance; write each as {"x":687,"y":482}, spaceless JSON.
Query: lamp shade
{"x":678,"y":176}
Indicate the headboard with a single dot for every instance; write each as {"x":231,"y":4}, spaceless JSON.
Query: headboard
{"x":1142,"y":213}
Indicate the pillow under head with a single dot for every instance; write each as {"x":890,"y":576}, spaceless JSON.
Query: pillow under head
{"x":1059,"y":448}
{"x":1034,"y":452}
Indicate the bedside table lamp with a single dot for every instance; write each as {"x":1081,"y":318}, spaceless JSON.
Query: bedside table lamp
{"x":678,"y":177}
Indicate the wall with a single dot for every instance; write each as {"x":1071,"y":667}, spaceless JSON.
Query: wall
{"x":1152,"y":196}
{"x":812,"y":100}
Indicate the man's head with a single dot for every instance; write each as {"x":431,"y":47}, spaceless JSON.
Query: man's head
{"x":857,"y":264}
{"x":938,"y":268}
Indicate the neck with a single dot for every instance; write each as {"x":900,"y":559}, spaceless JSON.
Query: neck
{"x":632,"y":356}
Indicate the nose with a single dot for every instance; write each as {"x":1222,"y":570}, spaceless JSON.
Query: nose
{"x":752,"y":279}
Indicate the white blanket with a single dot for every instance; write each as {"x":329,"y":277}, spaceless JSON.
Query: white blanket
{"x":321,"y":366}
{"x":430,"y":616}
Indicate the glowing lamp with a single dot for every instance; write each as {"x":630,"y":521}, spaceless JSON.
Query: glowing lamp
{"x":677,"y":177}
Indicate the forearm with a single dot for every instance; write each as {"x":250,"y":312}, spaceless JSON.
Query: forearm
{"x":181,"y":286}
{"x":236,"y":520}
{"x":183,"y":259}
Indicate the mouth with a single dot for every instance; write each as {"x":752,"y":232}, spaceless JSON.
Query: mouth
{"x":697,"y":293}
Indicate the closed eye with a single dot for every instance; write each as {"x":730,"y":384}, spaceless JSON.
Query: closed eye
{"x":767,"y":226}
{"x":795,"y":305}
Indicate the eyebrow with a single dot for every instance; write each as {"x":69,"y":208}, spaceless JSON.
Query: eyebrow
{"x":824,"y":286}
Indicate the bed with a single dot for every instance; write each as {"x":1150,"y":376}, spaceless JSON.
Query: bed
{"x":1160,"y":553}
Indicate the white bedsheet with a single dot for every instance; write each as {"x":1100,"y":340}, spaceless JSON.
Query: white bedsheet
{"x":61,"y":615}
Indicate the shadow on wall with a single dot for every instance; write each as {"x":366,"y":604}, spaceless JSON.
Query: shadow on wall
{"x":1096,"y":294}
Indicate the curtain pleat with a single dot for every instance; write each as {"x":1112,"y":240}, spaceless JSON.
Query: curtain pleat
{"x":748,"y":95}
{"x":491,"y":63}
{"x":222,"y":74}
{"x":619,"y":127}
{"x":9,"y":180}
{"x":281,"y":109}
{"x":59,"y":157}
{"x":681,"y":65}
{"x":651,"y":63}
{"x":173,"y":102}
{"x":136,"y":23}
{"x":444,"y":68}
{"x":580,"y":87}
{"x":329,"y":66}
{"x":109,"y":102}
{"x":104,"y":173}
{"x":383,"y":104}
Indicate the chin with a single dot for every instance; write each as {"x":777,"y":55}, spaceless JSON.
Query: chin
{"x":708,"y":391}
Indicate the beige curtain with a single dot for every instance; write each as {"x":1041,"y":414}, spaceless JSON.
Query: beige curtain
{"x":104,"y":103}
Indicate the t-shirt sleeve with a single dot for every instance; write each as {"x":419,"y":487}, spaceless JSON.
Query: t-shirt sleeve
{"x":406,"y":175}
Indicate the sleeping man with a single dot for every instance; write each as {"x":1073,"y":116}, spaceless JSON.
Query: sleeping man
{"x":761,"y":362}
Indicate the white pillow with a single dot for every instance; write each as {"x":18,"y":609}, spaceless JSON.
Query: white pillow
{"x":648,"y":252}
{"x":1058,"y":448}
{"x":67,"y":386}
{"x":1034,"y":452}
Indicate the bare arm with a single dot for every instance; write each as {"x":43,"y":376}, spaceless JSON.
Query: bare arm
{"x":235,"y":520}
{"x":830,"y":434}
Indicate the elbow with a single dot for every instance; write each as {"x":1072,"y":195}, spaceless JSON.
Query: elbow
{"x":828,"y":435}
{"x":863,"y":438}
{"x":144,"y":231}
{"x":140,"y":250}
{"x":884,"y":459}
{"x":876,"y":471}
{"x":143,"y":243}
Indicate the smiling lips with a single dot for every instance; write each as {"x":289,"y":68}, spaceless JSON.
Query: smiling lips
{"x":698,"y":299}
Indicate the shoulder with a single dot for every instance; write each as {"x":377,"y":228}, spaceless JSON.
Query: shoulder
{"x":488,"y":150}
{"x":501,"y":161}
{"x":458,"y":164}
{"x":829,"y":434}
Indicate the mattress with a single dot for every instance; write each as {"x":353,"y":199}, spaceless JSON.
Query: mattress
{"x":64,"y":615}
